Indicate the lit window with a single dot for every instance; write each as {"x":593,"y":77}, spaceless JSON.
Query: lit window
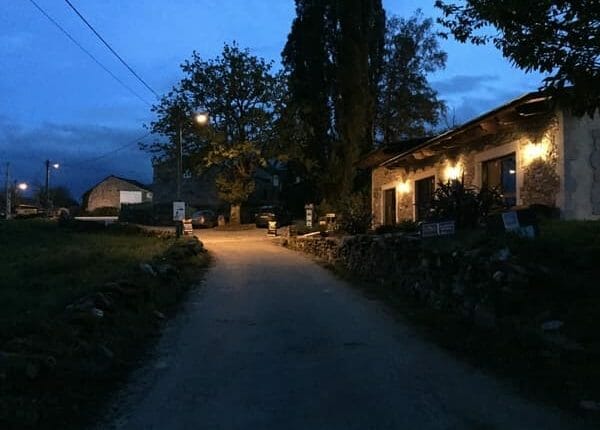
{"x":501,"y":174}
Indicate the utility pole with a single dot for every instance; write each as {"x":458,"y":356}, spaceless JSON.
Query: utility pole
{"x":47,"y":184}
{"x":7,"y":191}
{"x":179,"y":160}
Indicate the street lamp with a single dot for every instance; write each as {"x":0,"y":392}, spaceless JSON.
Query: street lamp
{"x":201,"y":119}
{"x":22,"y":186}
{"x":48,"y":165}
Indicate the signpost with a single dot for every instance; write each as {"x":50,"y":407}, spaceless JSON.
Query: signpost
{"x":272,"y":228}
{"x":179,"y":217}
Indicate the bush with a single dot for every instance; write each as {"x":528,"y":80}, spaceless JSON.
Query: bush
{"x":355,"y":213}
{"x":104,"y":211}
{"x":405,"y":226}
{"x":467,"y":206}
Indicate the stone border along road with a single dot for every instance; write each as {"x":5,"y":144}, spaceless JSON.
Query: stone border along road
{"x":274,"y":341}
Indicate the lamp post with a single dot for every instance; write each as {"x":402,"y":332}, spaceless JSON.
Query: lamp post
{"x":7,"y":191}
{"x":201,"y":119}
{"x":48,"y":165}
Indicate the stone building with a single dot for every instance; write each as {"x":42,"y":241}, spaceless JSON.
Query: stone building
{"x":114,"y":191}
{"x":529,"y":149}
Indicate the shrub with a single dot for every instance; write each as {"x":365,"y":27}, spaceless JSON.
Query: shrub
{"x":104,"y":211}
{"x":467,"y":206}
{"x":355,"y":213}
{"x":404,"y":226}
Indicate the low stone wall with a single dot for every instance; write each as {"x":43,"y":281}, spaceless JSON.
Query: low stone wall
{"x":479,"y":283}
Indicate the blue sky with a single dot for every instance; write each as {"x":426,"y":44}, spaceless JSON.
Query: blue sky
{"x":57,"y":104}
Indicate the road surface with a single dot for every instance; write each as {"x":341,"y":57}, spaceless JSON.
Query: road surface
{"x":274,"y":341}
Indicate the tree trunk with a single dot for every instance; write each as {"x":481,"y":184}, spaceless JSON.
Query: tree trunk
{"x":235,"y":214}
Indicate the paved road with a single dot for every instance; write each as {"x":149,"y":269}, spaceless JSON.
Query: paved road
{"x":273,"y":341}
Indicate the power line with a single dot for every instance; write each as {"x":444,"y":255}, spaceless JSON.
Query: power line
{"x":66,"y":33}
{"x":111,"y":49}
{"x":106,"y":154}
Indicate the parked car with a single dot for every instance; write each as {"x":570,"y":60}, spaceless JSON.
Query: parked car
{"x":204,"y":218}
{"x":271,"y":213}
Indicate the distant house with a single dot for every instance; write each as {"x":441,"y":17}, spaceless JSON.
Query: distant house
{"x":114,"y":191}
{"x":531,"y":150}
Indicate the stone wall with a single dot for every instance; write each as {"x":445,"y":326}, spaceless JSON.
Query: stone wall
{"x":582,"y":167}
{"x":469,"y":281}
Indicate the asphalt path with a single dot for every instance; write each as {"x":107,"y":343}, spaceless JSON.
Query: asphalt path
{"x":274,"y":341}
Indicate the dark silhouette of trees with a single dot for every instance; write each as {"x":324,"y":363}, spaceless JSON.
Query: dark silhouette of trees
{"x":560,"y":38}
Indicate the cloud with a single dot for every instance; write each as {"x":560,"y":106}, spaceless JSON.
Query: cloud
{"x":459,"y":84}
{"x":469,"y":107}
{"x":77,"y":148}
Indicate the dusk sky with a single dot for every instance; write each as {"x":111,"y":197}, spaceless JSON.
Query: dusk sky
{"x":57,"y":104}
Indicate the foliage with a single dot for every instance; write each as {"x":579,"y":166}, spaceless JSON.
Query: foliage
{"x":557,"y":37}
{"x":60,"y":196}
{"x":104,"y":211}
{"x":355,"y":213}
{"x":404,"y":226}
{"x":333,"y":60}
{"x":467,"y":206}
{"x":407,"y":104}
{"x":244,"y":97}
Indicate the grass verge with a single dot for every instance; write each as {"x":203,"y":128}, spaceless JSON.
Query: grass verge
{"x":77,"y":311}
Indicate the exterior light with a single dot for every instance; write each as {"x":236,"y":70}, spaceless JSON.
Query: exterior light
{"x":202,"y":118}
{"x":56,"y":165}
{"x":453,"y":172}
{"x":535,"y":151}
{"x":404,"y":187}
{"x":22,"y":186}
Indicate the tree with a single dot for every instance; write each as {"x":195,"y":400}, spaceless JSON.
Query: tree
{"x":333,"y":60}
{"x":242,"y":96}
{"x":60,"y":196}
{"x":408,"y":106}
{"x":560,"y":38}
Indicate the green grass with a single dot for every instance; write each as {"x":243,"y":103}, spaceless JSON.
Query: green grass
{"x":44,"y":267}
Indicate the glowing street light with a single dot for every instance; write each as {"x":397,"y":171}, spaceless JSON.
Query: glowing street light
{"x":202,"y":118}
{"x":22,"y":186}
{"x":48,"y":165}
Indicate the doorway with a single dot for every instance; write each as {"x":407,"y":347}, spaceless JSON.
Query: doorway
{"x":389,"y":206}
{"x":424,"y":189}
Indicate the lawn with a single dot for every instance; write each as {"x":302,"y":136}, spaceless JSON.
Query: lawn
{"x":77,"y":312}
{"x":44,"y":267}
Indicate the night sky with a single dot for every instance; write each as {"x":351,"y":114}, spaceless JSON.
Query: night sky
{"x":57,"y":104}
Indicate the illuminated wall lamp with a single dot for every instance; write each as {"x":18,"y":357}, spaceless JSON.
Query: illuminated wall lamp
{"x":453,"y":172}
{"x":404,"y":187}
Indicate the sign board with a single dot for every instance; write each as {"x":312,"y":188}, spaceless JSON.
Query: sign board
{"x":188,"y":228}
{"x":429,"y":230}
{"x":444,"y":228}
{"x":178,"y":211}
{"x":272,"y":228}
{"x":447,"y":228}
{"x":309,"y":215}
{"x":511,"y":221}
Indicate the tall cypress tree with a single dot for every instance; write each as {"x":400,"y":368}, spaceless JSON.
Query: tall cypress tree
{"x":333,"y":58}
